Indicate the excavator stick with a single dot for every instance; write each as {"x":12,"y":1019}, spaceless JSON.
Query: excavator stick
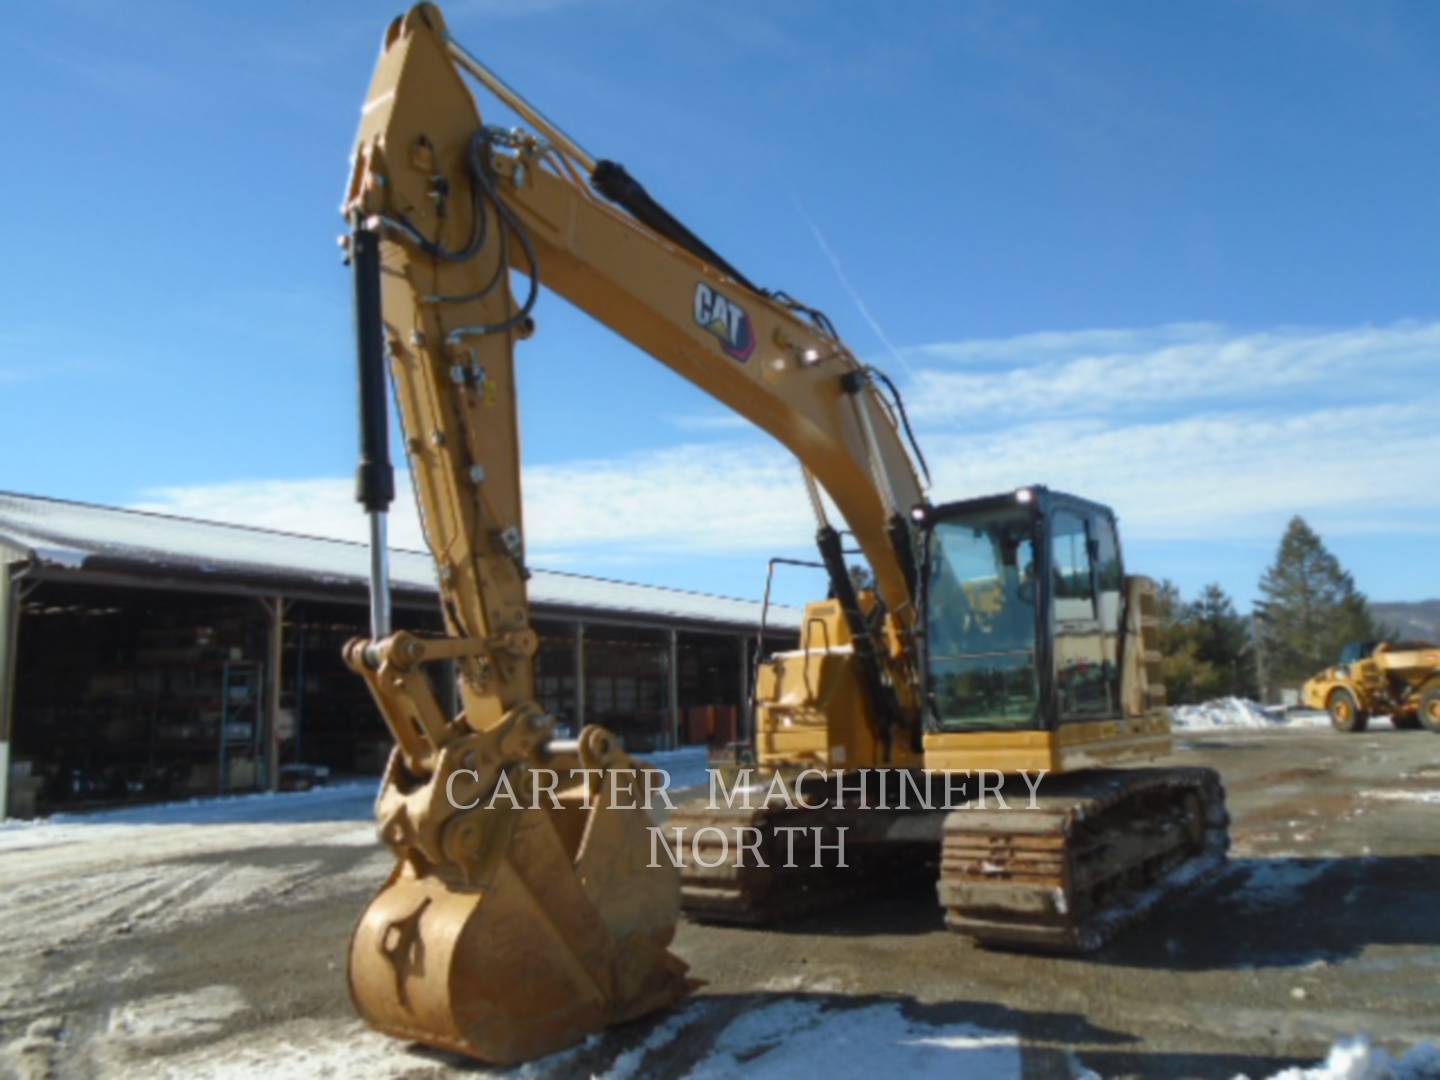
{"x":523,"y":912}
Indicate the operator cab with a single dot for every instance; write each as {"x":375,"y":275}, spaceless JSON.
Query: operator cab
{"x":1355,"y":651}
{"x":1023,"y":596}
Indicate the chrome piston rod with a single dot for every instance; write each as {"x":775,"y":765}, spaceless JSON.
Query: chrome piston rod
{"x":529,"y":113}
{"x":379,"y":576}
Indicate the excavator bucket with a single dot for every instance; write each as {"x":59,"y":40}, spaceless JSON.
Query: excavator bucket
{"x":562,"y":931}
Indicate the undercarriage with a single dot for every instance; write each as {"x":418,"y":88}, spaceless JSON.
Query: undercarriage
{"x":1062,"y":870}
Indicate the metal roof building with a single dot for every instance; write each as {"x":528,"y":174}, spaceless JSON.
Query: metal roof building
{"x":56,"y":540}
{"x":108,"y":617}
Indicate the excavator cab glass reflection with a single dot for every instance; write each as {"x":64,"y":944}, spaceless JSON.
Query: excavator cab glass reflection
{"x":981,"y":620}
{"x":1023,"y":608}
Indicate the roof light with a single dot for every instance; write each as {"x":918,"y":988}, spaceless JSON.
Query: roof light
{"x":1024,"y":496}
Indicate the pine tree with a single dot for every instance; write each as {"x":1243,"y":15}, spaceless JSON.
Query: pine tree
{"x":1222,"y":640}
{"x":1168,"y":609}
{"x":1185,"y":673}
{"x":1310,"y":609}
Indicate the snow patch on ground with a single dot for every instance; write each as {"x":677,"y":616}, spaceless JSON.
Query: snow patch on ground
{"x":808,"y":1038}
{"x":1357,"y":1058}
{"x":72,"y":910}
{"x":1404,"y":796}
{"x":199,"y":1014}
{"x":163,"y":895}
{"x":1233,"y":712}
{"x":795,"y":984}
{"x":686,"y":768}
{"x":351,"y":801}
{"x":626,"y":1066}
{"x":240,"y":886}
{"x":778,"y":1040}
{"x":348,"y":800}
{"x":257,"y":806}
{"x":293,"y":1051}
{"x":362,"y":836}
{"x":297,"y":1051}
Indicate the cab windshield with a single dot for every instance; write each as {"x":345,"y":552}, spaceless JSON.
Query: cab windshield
{"x":980,"y":621}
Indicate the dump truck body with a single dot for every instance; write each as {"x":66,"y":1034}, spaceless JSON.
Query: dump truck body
{"x":1398,"y":679}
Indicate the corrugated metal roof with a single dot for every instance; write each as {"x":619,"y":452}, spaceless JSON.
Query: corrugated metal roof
{"x":81,"y":536}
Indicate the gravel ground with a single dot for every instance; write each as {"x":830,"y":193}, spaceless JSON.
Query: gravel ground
{"x":173,"y":944}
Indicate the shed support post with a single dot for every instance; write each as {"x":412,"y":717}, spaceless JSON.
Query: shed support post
{"x":742,"y":708}
{"x":672,"y":671}
{"x":9,"y":643}
{"x":299,"y":704}
{"x":275,"y":608}
{"x":744,"y":697}
{"x":579,"y":676}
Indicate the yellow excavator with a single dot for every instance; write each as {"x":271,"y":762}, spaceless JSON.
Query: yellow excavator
{"x":1001,"y":634}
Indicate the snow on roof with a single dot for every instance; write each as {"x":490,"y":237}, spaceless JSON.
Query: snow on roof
{"x":82,"y":536}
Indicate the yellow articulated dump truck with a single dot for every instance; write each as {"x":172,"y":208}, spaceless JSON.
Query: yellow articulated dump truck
{"x":1379,"y":677}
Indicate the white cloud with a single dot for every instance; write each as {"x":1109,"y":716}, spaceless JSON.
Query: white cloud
{"x":726,"y":497}
{"x":323,"y":506}
{"x":1220,"y":475}
{"x":1192,"y":432}
{"x":1027,"y":348}
{"x":1098,"y":372}
{"x":716,"y":498}
{"x":708,"y":421}
{"x":1187,"y":431}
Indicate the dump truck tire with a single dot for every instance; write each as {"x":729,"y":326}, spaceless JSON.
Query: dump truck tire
{"x":1345,"y":712}
{"x":1429,"y":713}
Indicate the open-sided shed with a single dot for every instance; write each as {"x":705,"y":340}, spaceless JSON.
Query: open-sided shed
{"x":145,"y":655}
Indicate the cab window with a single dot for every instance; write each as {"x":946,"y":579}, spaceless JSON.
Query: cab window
{"x":980,"y":622}
{"x":1070,"y":567}
{"x":1109,"y":602}
{"x":1084,"y":665}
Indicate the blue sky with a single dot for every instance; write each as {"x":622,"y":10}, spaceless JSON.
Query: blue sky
{"x":1176,"y":257}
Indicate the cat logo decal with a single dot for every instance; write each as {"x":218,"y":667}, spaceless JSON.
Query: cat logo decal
{"x":725,"y":319}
